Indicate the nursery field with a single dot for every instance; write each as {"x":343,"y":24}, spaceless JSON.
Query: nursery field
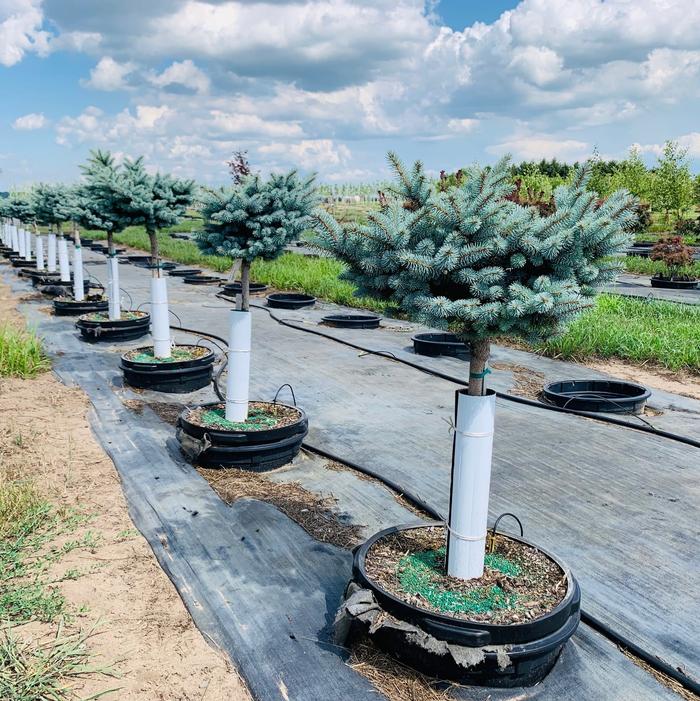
{"x":234,"y":551}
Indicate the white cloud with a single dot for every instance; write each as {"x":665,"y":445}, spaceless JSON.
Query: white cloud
{"x":110,"y":75}
{"x":182,"y":74}
{"x":690,"y":141}
{"x":310,"y":154}
{"x":462,"y":126}
{"x":237,"y":124}
{"x":30,"y":122}
{"x":20,"y":30}
{"x":535,"y":147}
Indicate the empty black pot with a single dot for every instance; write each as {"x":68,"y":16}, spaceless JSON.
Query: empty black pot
{"x":353,"y":321}
{"x":611,"y":396}
{"x":290,"y":300}
{"x":435,"y":344}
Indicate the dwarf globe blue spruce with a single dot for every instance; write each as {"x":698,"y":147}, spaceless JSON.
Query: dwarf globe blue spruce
{"x":20,"y":209}
{"x":137,"y":198}
{"x":254,"y":219}
{"x":53,"y":208}
{"x":94,"y":205}
{"x":469,"y":260}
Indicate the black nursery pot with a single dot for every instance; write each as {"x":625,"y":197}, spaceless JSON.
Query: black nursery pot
{"x":57,"y":288}
{"x":175,"y":377}
{"x":231,"y":289}
{"x":669,"y":283}
{"x":435,"y":344}
{"x":532,"y":648}
{"x":185,"y":272}
{"x":23,"y":263}
{"x":610,"y":396}
{"x":113,"y":331}
{"x":353,"y":321}
{"x":42,"y":277}
{"x":201,"y":279}
{"x":71,"y":307}
{"x":257,"y":451}
{"x":290,"y":300}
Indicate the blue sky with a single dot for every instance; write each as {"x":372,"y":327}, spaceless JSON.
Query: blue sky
{"x":331,"y":85}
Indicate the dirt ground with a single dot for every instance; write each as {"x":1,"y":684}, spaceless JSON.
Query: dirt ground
{"x":144,"y":629}
{"x":656,"y":378}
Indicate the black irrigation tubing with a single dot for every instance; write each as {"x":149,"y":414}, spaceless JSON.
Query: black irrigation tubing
{"x":645,"y":427}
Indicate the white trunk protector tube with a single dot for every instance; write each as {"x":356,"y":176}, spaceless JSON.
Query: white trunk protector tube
{"x":238,"y":382}
{"x":39,"y":243}
{"x":113,"y":291}
{"x":160,"y":322}
{"x":28,"y":244}
{"x":63,"y":263}
{"x":15,"y":238}
{"x":471,"y":479}
{"x":51,"y":262}
{"x":22,"y":241}
{"x":78,"y":289}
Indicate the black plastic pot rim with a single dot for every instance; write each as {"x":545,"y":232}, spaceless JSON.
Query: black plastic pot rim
{"x":200,"y":279}
{"x":528,"y":633}
{"x":214,"y":430}
{"x":349,"y":321}
{"x":115,"y":323}
{"x":166,"y":367}
{"x":554,"y":392}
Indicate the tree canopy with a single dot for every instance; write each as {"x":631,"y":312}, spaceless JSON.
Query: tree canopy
{"x":471,"y":261}
{"x":257,"y":218}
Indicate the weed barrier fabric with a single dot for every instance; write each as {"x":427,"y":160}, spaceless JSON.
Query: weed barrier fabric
{"x":256,"y":584}
{"x":640,"y":490}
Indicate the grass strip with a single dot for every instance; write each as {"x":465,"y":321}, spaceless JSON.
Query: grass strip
{"x":21,"y":354}
{"x":637,"y":330}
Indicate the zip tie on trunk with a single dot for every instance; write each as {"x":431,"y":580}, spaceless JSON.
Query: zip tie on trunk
{"x":467,"y":538}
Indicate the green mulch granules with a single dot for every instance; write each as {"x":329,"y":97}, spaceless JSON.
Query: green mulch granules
{"x":519,"y":583}
{"x":104,"y":316}
{"x":416,"y":573}
{"x":177,"y":354}
{"x":261,"y":416}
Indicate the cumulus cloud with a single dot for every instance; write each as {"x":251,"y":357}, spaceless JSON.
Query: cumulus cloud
{"x":183,"y":75}
{"x":304,"y":81}
{"x":30,"y":122}
{"x":535,"y":147}
{"x":110,"y":75}
{"x":21,"y":30}
{"x":310,"y":154}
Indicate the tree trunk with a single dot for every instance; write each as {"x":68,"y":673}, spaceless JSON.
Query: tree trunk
{"x":480,"y":351}
{"x":113,"y":287}
{"x":245,"y":286}
{"x":155,"y":252}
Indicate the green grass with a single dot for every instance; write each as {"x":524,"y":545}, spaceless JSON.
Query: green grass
{"x":646,"y":266}
{"x":636,"y":330}
{"x":21,"y":354}
{"x":46,"y":670}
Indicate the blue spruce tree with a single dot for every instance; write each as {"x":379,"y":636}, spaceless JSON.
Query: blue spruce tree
{"x":470,"y":261}
{"x":256,"y":219}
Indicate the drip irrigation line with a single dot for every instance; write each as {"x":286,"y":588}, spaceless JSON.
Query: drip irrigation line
{"x":645,"y":427}
{"x":606,"y":631}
